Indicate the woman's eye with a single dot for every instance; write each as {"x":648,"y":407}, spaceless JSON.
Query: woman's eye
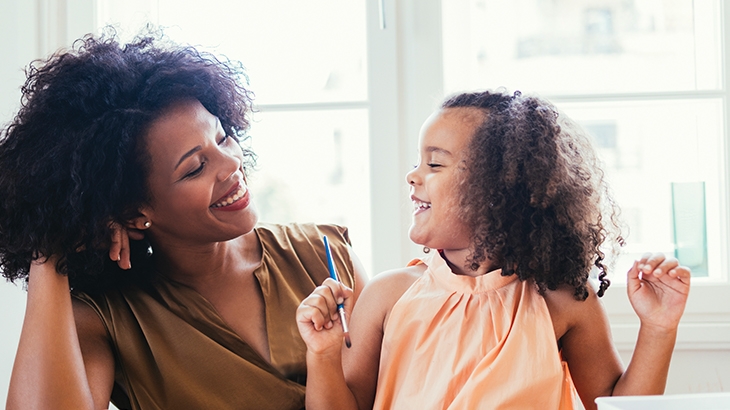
{"x":432,"y":165}
{"x":223,"y":141}
{"x":196,"y":171}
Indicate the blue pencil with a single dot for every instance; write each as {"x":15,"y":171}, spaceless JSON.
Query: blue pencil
{"x":335,"y":276}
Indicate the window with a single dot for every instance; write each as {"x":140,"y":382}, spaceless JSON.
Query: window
{"x":311,"y":125}
{"x":647,"y":80}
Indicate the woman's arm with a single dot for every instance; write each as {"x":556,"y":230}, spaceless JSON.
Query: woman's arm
{"x":49,"y":369}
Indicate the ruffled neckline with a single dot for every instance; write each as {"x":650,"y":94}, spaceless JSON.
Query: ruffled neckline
{"x":441,"y":272}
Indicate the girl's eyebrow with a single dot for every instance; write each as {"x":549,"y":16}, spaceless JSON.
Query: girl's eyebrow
{"x":438,"y":150}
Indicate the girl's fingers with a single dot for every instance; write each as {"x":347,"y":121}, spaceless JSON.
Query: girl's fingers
{"x":632,"y":278}
{"x":657,"y":264}
{"x":682,"y":273}
{"x":320,"y":307}
{"x":323,"y":299}
{"x":650,"y":261}
{"x":311,"y":315}
{"x":666,"y":266}
{"x":340,"y":292}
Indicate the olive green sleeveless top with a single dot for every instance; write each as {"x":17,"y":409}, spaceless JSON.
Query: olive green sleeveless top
{"x":173,"y":350}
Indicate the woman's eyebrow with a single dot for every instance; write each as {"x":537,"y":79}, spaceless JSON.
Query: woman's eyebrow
{"x":188,"y":154}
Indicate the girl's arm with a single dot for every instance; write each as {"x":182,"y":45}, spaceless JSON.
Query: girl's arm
{"x":320,"y":328}
{"x":658,"y":296}
{"x":49,"y":369}
{"x":585,"y":337}
{"x":328,"y":386}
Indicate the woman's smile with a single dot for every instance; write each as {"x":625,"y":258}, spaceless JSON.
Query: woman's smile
{"x":237,"y":198}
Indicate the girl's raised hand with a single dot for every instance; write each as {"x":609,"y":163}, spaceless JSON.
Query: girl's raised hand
{"x":318,"y":319}
{"x":658,"y":288}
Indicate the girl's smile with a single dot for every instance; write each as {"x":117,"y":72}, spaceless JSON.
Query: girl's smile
{"x":420,"y":206}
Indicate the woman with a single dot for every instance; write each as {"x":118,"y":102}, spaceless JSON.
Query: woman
{"x":143,"y":139}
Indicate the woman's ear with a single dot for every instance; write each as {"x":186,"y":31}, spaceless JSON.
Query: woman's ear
{"x":135,"y":227}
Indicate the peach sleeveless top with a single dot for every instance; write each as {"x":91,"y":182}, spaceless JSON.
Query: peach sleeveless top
{"x":460,"y":342}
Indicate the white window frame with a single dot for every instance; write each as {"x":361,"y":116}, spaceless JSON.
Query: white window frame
{"x":405,"y":84}
{"x":417,"y":28}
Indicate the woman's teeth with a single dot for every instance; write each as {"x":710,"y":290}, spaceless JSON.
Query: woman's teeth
{"x":231,"y":199}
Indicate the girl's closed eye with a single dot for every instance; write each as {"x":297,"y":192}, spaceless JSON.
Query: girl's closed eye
{"x":224,"y":139}
{"x":434,"y":165}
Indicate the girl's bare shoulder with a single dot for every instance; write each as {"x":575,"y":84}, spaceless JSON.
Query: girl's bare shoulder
{"x":568,"y":313}
{"x":394,"y":282}
{"x":384,"y":289}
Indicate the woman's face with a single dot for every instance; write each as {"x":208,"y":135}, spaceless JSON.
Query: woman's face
{"x":198,"y":187}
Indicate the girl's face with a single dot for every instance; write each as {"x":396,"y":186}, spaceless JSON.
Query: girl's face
{"x":198,"y":187}
{"x":435,"y":182}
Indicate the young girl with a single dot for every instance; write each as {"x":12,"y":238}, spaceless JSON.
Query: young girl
{"x":509,"y":197}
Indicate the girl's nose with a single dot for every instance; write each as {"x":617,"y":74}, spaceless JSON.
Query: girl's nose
{"x":412,"y":177}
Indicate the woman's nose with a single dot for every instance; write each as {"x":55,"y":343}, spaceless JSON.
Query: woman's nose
{"x":230,"y":164}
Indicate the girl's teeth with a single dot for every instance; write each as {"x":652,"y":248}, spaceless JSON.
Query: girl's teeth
{"x":422,"y":205}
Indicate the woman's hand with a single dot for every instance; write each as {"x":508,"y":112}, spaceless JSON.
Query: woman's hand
{"x":658,"y":288}
{"x":119,"y":249}
{"x":318,"y":318}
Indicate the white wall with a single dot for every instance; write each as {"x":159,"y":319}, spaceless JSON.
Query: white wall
{"x":18,"y":46}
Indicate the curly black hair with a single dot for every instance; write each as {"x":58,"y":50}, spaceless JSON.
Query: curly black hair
{"x":73,"y":160}
{"x":535,"y":194}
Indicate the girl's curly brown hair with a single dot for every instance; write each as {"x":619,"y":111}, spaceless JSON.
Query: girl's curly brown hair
{"x":535,"y":194}
{"x":74,"y":159}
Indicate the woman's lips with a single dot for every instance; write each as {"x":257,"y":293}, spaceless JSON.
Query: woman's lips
{"x":236,"y":198}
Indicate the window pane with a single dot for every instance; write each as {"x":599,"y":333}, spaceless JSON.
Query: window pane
{"x":294,"y":51}
{"x":649,"y":149}
{"x":313,"y":167}
{"x":574,"y":47}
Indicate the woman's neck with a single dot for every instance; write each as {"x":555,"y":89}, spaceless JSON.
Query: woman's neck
{"x":198,"y":266}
